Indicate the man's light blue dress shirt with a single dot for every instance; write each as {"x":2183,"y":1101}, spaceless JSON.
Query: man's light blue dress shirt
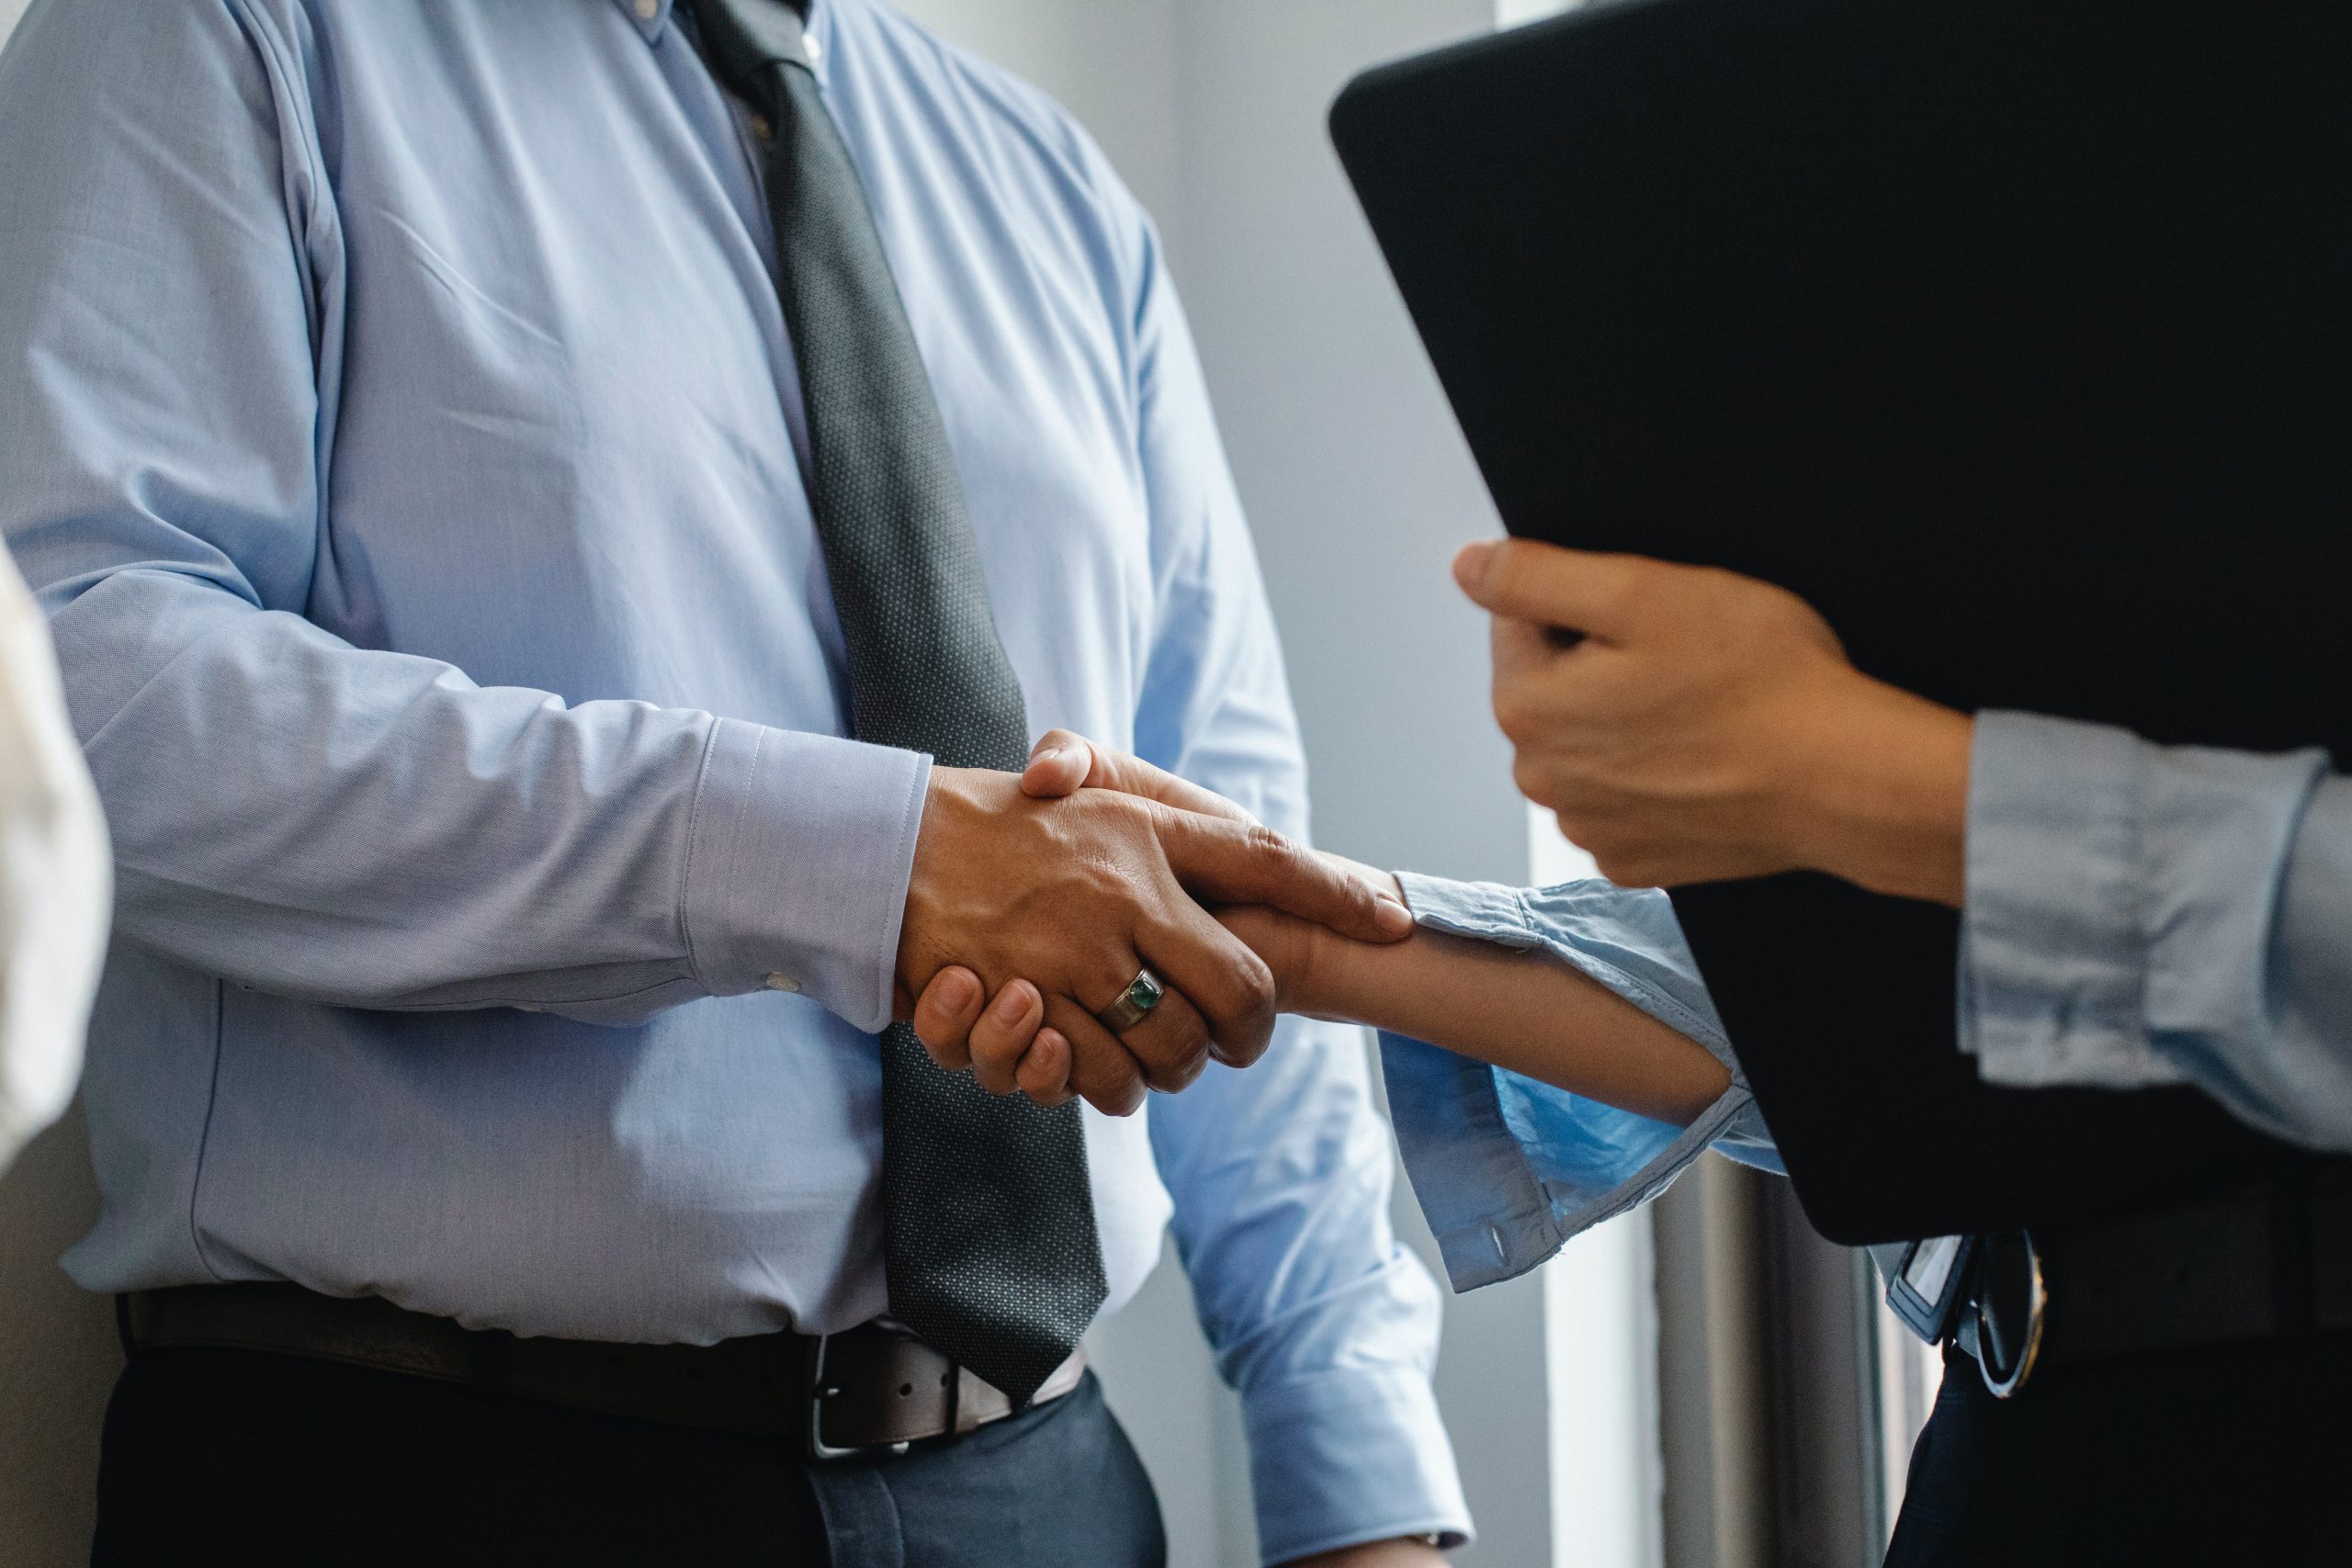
{"x":403,"y":437}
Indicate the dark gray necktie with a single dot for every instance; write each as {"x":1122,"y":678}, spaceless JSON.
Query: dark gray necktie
{"x":991,"y":1248}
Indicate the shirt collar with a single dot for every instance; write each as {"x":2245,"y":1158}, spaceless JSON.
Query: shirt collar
{"x":649,"y":17}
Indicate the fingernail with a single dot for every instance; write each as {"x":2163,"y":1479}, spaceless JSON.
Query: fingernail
{"x":1470,"y":563}
{"x":1393,"y":917}
{"x":1011,"y":1004}
{"x":957,"y":990}
{"x":1047,"y":755}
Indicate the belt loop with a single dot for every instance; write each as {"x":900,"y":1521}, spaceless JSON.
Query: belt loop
{"x":861,"y":1524}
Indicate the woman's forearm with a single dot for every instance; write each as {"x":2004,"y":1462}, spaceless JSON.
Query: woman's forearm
{"x":1525,"y":1011}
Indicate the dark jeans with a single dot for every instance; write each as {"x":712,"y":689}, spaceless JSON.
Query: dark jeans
{"x":239,"y":1456}
{"x":2227,"y":1458}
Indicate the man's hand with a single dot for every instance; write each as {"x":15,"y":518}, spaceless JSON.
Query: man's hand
{"x":1052,"y":906}
{"x":1005,"y":1039}
{"x":1690,"y":724}
{"x":1008,"y":1045}
{"x":1064,"y":764}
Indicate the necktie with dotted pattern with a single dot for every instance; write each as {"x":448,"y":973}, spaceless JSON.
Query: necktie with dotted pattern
{"x":992,"y":1247}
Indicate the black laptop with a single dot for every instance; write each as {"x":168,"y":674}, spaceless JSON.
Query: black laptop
{"x":2016,"y":336}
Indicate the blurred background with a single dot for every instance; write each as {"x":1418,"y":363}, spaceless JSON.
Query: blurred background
{"x":1704,"y":1384}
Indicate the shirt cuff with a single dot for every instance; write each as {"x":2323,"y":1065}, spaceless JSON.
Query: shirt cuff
{"x":2120,"y":895}
{"x":2051,"y":959}
{"x":797,"y":866}
{"x":1507,"y":1169}
{"x":1347,"y":1456}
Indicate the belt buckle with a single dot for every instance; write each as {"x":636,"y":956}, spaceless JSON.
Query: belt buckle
{"x":2010,"y":1287}
{"x":820,"y":1450}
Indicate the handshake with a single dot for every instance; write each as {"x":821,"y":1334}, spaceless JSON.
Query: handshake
{"x":1036,"y":901}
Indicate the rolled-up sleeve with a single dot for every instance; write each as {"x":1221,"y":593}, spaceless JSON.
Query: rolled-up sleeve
{"x":2140,"y":914}
{"x":1507,"y":1168}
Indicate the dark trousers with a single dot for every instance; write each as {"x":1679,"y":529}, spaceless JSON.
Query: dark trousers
{"x":2225,"y":1457}
{"x":231,"y":1455}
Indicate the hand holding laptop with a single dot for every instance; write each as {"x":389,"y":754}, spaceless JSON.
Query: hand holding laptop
{"x":1703,"y":726}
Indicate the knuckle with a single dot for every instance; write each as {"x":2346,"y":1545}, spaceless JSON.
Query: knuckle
{"x":1104,"y":881}
{"x":1241,"y":988}
{"x":1173,"y":1063}
{"x":1172,"y":1056}
{"x":1183,"y":1075}
{"x":1253,"y":982}
{"x":1115,"y":1091}
{"x":1192,"y":1048}
{"x":1263,"y":844}
{"x":1248,"y":1043}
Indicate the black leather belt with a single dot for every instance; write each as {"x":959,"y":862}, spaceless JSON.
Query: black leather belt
{"x":872,"y":1388}
{"x":2259,"y":1263}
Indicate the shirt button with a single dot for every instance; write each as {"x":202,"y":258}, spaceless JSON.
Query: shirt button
{"x":810,"y":46}
{"x":646,"y":9}
{"x":783,"y":982}
{"x":761,"y":128}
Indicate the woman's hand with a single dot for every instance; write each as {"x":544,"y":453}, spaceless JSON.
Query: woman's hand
{"x":1692,"y":725}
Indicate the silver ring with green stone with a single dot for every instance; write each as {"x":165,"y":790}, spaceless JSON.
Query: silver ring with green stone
{"x":1135,"y":1003}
